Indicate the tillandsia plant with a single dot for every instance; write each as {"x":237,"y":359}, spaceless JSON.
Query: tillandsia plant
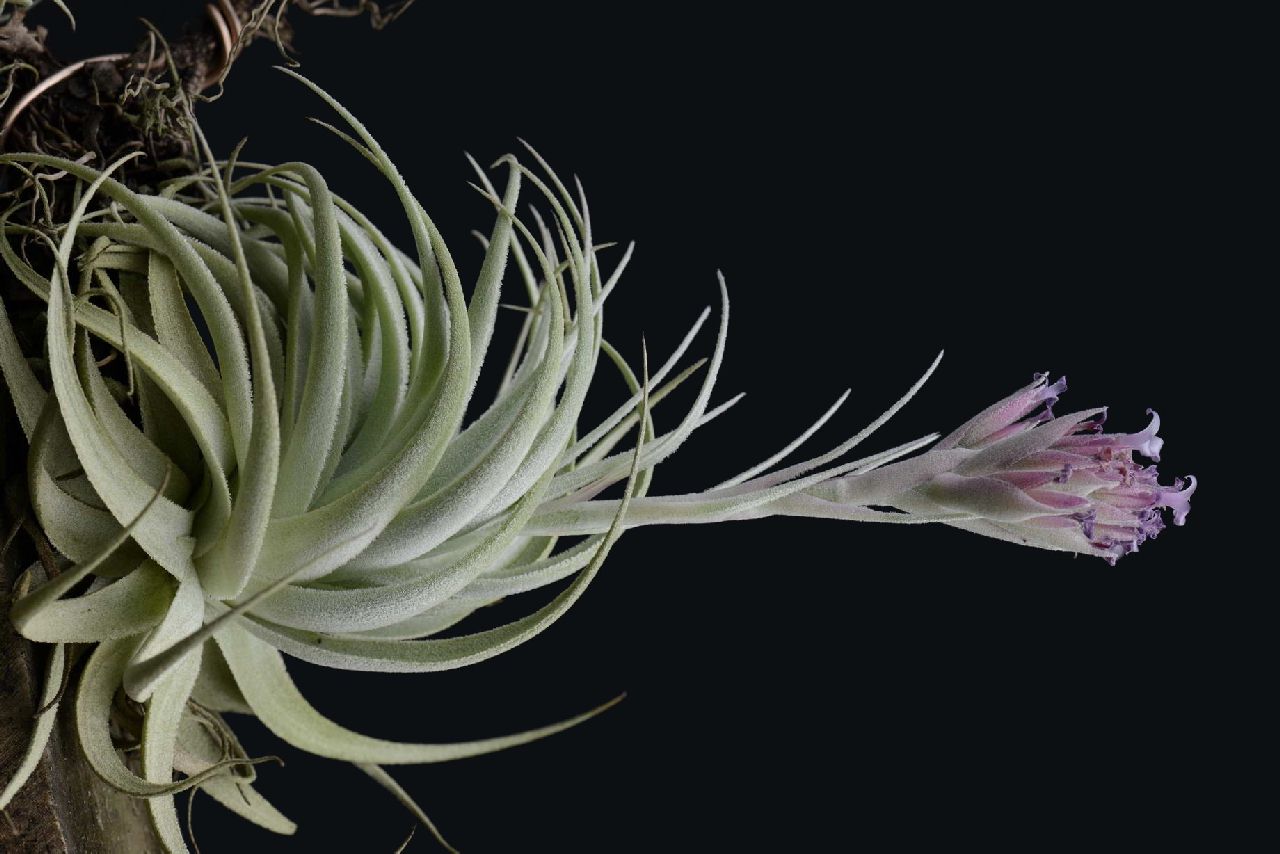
{"x":284,"y":457}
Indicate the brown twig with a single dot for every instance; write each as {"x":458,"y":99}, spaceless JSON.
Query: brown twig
{"x":224,"y":34}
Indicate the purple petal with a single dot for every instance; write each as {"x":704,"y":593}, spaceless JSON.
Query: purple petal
{"x":1178,"y":499}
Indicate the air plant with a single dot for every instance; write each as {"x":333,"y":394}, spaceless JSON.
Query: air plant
{"x":308,"y":472}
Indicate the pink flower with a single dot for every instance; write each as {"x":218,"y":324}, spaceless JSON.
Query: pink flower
{"x":1018,"y":473}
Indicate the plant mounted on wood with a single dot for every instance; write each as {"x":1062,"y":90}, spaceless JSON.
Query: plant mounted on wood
{"x":253,"y":434}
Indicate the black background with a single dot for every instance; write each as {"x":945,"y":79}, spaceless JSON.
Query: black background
{"x":1029,"y":195}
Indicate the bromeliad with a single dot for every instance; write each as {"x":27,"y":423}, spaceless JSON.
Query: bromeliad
{"x":307,"y":471}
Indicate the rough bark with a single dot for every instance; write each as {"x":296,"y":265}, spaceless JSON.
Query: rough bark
{"x":64,"y":808}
